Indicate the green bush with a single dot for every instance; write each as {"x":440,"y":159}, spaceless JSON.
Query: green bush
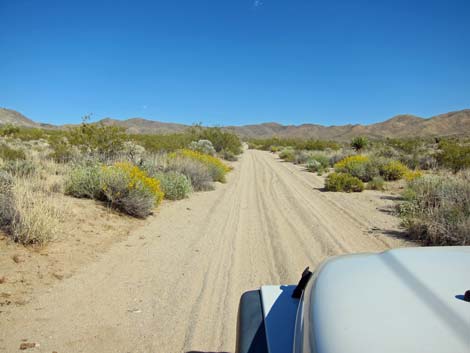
{"x":228,"y":156}
{"x":377,"y":183}
{"x":175,"y":185}
{"x":10,"y":154}
{"x":318,"y":163}
{"x":343,"y":182}
{"x":20,"y":167}
{"x":287,"y":154}
{"x":6,"y":198}
{"x":313,"y":165}
{"x":99,"y":139}
{"x":453,"y":155}
{"x":9,"y":129}
{"x":84,"y":182}
{"x":220,"y":139}
{"x":436,"y":209}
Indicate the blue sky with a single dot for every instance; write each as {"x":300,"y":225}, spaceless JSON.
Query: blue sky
{"x":223,"y":62}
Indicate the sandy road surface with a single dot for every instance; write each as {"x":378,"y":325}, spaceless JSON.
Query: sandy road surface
{"x":174,"y":285}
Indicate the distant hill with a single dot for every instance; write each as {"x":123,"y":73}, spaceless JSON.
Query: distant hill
{"x":9,"y":116}
{"x":448,"y":124}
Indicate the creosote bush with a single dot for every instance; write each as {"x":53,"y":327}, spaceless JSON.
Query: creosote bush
{"x":11,"y":154}
{"x":436,"y":209}
{"x":343,"y":182}
{"x":453,"y":155}
{"x":287,"y":154}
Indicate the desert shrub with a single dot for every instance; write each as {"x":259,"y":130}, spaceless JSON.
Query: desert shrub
{"x":62,"y":151}
{"x":133,"y":152}
{"x":359,"y":143}
{"x":98,"y":139}
{"x":287,"y":154}
{"x":84,"y":181}
{"x":345,"y":164}
{"x":301,"y":157}
{"x":436,"y":209}
{"x":343,"y":182}
{"x":411,"y":175}
{"x":217,"y":168}
{"x":11,"y":154}
{"x":220,"y":139}
{"x":359,"y":166}
{"x":36,"y":216}
{"x":27,"y":214}
{"x":9,"y":129}
{"x":20,"y":167}
{"x":228,"y":156}
{"x":453,"y":155}
{"x":313,"y":165}
{"x":202,"y":146}
{"x":377,"y":183}
{"x":197,"y":172}
{"x":318,"y":163}
{"x":129,"y":189}
{"x":338,"y":156}
{"x":6,"y":198}
{"x":175,"y":185}
{"x":393,"y":170}
{"x":427,"y":162}
{"x":274,"y":149}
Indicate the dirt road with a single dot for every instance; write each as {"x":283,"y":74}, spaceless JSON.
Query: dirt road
{"x":174,"y":285}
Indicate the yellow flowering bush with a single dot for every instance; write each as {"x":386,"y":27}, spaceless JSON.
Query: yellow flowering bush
{"x":394,"y":170}
{"x":349,"y":162}
{"x":130,"y":189}
{"x":359,"y":166}
{"x":411,"y":175}
{"x":216,"y":167}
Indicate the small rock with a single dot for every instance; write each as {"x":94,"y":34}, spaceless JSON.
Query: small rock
{"x":59,"y":276}
{"x":27,"y":345}
{"x":21,"y":302}
{"x":17,"y":258}
{"x":134,"y":311}
{"x":2,"y":280}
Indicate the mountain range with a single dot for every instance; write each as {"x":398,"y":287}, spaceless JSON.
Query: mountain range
{"x":449,"y":124}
